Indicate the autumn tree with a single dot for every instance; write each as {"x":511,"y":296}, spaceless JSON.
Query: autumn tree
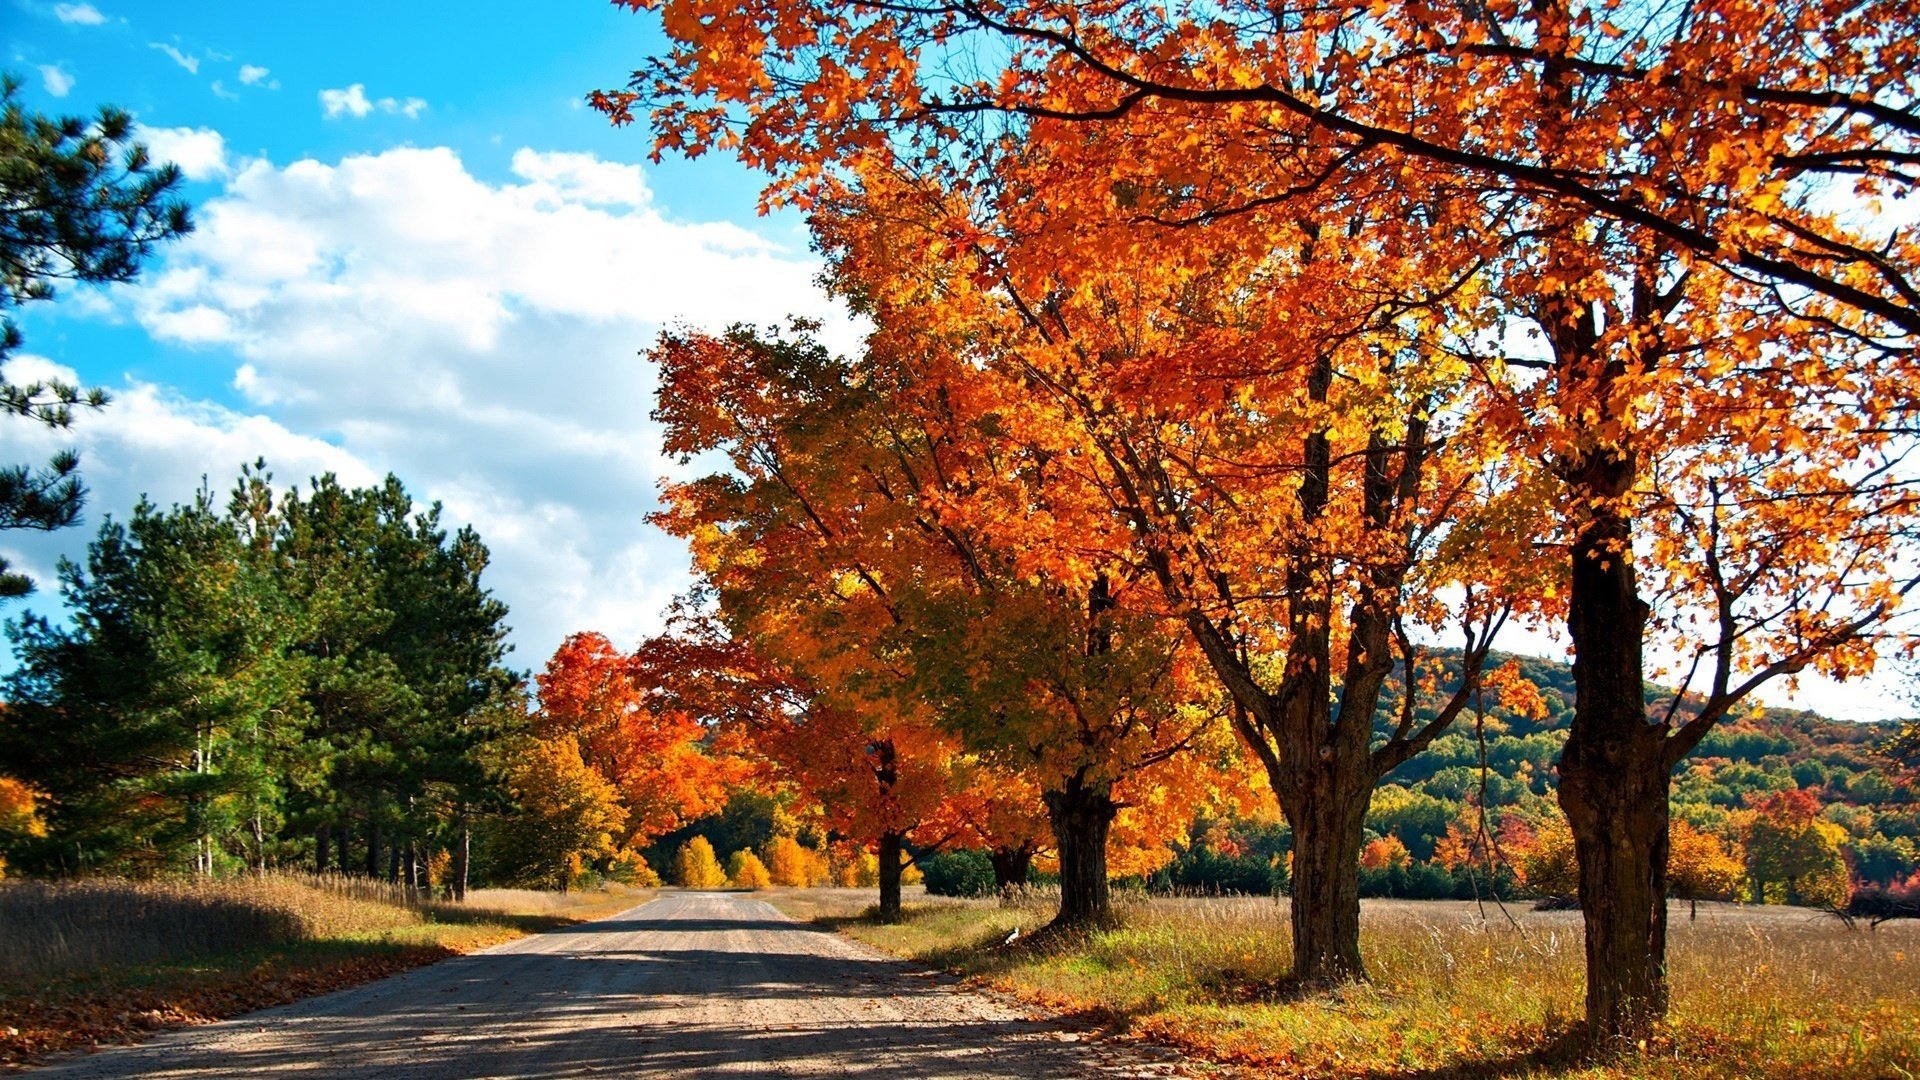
{"x":658,"y":756}
{"x":1663,"y":196}
{"x":1790,"y":846}
{"x":19,"y":815}
{"x":791,"y":863}
{"x":695,"y":867}
{"x":1044,"y":673}
{"x":746,"y":871}
{"x":567,"y":816}
{"x":1701,"y":866}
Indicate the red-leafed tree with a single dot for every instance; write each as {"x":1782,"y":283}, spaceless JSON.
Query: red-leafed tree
{"x":663,"y":761}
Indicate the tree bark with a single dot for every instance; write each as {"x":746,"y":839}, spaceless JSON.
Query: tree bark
{"x":890,"y":844}
{"x":1011,"y":867}
{"x":373,"y":846}
{"x":462,"y":857}
{"x":1082,"y":814}
{"x":1328,"y":826}
{"x":1614,"y":777}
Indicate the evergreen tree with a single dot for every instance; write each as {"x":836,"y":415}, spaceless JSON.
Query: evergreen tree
{"x":83,"y":202}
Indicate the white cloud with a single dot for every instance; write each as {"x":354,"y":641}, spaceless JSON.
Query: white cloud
{"x":353,"y":101}
{"x":191,"y":63}
{"x":56,"y":79}
{"x":255,"y":75}
{"x":78,"y":14}
{"x":151,"y":441}
{"x":583,"y":178}
{"x":220,"y":91}
{"x":477,"y":338}
{"x":201,"y":153}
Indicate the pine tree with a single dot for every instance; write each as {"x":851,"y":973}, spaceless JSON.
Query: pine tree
{"x":83,"y":203}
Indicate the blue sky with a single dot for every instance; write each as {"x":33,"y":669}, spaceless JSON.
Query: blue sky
{"x":418,"y":252}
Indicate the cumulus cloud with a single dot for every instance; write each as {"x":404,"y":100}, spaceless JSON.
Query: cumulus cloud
{"x":201,"y":153}
{"x":477,"y":338}
{"x":56,"y":79}
{"x":353,"y":101}
{"x":255,"y":75}
{"x":151,"y":441}
{"x":583,"y":178}
{"x":78,"y":14}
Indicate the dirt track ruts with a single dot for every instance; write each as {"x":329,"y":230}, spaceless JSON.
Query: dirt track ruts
{"x":691,"y":984}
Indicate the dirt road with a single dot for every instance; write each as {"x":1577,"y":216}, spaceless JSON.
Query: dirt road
{"x":691,"y":984}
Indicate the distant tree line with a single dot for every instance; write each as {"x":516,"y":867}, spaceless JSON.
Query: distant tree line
{"x":289,"y":678}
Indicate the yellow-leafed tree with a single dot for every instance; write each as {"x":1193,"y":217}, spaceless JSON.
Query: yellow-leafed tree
{"x":1700,"y":866}
{"x":569,"y":815}
{"x":19,"y":814}
{"x":746,"y":871}
{"x":694,"y":866}
{"x":791,"y":863}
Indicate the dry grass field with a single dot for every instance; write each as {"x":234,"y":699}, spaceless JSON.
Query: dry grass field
{"x":1456,"y":990}
{"x":105,"y":960}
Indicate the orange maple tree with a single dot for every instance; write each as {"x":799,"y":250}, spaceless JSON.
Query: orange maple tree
{"x":663,"y":760}
{"x":1681,"y":203}
{"x":857,"y":480}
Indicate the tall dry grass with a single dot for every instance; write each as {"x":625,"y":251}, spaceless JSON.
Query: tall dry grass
{"x":1454,"y":990}
{"x":49,"y":929}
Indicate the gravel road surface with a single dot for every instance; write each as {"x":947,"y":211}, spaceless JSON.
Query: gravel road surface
{"x":691,"y":984}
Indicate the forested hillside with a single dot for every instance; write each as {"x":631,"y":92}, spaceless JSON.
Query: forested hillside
{"x":1773,"y":806}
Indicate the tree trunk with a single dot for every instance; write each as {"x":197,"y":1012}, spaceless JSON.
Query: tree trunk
{"x":322,"y":835}
{"x":373,"y":846}
{"x":1011,"y":867}
{"x":1614,"y":778}
{"x":393,"y":863}
{"x":1081,"y":814}
{"x":410,"y":867}
{"x":1328,"y":827}
{"x":462,"y":856}
{"x":890,"y":877}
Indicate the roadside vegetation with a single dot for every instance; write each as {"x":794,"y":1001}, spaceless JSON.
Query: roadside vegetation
{"x":1455,"y":989}
{"x":106,"y":960}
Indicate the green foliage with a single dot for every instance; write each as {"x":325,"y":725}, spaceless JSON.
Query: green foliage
{"x":958,"y":873}
{"x":83,"y":203}
{"x":250,"y":686}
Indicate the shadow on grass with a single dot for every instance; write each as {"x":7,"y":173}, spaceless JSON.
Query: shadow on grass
{"x":1558,"y":1050}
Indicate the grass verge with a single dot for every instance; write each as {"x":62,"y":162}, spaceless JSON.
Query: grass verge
{"x":90,"y":963}
{"x":1455,"y":992}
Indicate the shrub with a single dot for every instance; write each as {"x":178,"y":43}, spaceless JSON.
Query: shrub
{"x":1202,"y":870}
{"x":958,"y":873}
